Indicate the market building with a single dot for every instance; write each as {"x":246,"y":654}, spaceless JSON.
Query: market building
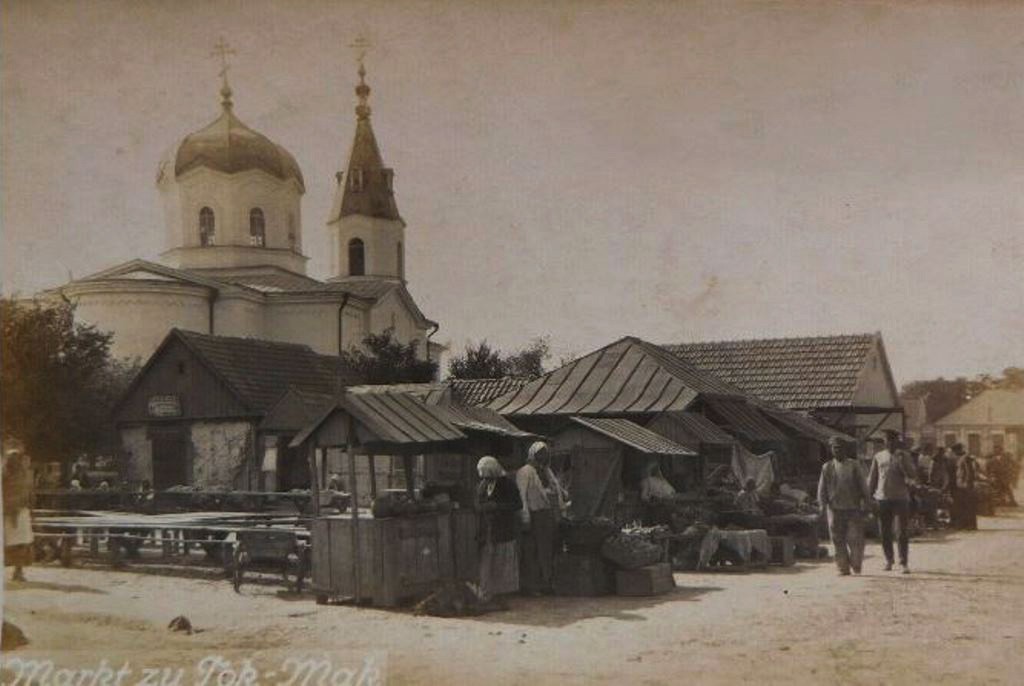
{"x":989,"y":423}
{"x":207,"y":412}
{"x":843,"y":381}
{"x":234,"y":263}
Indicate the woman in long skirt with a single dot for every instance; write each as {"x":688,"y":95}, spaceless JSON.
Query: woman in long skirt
{"x":17,"y":495}
{"x":498,"y":502}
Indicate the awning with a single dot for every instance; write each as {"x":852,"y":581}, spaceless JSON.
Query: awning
{"x":401,"y":422}
{"x":805,"y":425}
{"x":745,"y":420}
{"x":634,"y":436}
{"x":690,"y":429}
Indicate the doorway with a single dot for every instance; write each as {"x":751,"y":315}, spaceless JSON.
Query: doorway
{"x":170,"y":458}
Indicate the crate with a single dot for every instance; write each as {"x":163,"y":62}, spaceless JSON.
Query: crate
{"x":783,"y":550}
{"x":399,"y":559}
{"x":654,"y":579}
{"x":582,"y":575}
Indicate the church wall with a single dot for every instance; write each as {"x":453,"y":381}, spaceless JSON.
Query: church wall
{"x":238,"y":317}
{"x":140,"y":320}
{"x":314,"y":324}
{"x":391,"y":312}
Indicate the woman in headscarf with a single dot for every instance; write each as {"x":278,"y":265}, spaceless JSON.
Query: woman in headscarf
{"x":498,"y":502}
{"x":17,"y":496}
{"x":543,"y":499}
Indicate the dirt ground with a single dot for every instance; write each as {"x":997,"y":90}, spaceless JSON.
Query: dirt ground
{"x":956,"y":619}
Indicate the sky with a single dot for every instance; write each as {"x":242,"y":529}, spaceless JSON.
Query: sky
{"x":676,"y":171}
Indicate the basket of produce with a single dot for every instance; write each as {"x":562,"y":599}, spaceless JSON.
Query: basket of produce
{"x":631,"y":551}
{"x":583,"y":536}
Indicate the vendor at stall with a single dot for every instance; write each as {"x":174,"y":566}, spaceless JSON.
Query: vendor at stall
{"x":654,"y":485}
{"x":543,"y":502}
{"x":498,"y":502}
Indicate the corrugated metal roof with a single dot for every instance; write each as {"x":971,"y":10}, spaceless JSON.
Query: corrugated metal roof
{"x":634,"y":436}
{"x":743,"y":419}
{"x":794,"y":373}
{"x":629,"y":376}
{"x":689,"y":429}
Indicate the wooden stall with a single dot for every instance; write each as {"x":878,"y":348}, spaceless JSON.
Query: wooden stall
{"x":388,"y":560}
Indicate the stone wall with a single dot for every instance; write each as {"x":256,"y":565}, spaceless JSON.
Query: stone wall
{"x":221,"y":454}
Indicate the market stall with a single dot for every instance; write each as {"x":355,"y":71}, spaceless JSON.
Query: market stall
{"x":406,"y":544}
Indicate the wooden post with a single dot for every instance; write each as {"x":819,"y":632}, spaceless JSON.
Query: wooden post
{"x":314,"y":473}
{"x":357,"y":557}
{"x":373,"y":476}
{"x":410,"y":477}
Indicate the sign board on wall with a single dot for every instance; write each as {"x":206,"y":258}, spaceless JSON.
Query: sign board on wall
{"x":164,"y":406}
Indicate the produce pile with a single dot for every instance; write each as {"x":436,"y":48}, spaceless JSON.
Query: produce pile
{"x":401,"y":505}
{"x":633,"y":549}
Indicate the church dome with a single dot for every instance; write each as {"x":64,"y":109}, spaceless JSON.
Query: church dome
{"x":229,"y":146}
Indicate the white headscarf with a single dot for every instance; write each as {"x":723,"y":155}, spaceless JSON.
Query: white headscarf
{"x":535,"y":450}
{"x":489,"y":468}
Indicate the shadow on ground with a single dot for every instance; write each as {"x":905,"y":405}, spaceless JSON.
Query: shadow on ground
{"x":12,"y":586}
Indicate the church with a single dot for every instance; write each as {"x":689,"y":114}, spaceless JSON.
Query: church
{"x":234,"y":264}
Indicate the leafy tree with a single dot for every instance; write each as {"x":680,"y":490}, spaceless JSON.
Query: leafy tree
{"x":384,"y":360}
{"x":58,"y":382}
{"x":480,"y":361}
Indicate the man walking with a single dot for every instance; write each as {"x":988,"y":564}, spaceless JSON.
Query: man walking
{"x":965,"y":506}
{"x":891,"y":471}
{"x":843,"y":494}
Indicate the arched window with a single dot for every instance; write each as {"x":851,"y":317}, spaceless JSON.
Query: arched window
{"x":401,"y":261}
{"x":207,"y":227}
{"x":356,"y":258}
{"x":257,"y":228}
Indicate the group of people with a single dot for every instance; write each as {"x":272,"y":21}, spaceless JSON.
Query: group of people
{"x":519,"y":519}
{"x":847,"y":495}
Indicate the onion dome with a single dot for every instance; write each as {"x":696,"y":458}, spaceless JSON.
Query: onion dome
{"x":229,"y":146}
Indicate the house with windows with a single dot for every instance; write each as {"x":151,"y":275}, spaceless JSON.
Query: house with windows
{"x":989,"y":423}
{"x":234,"y":262}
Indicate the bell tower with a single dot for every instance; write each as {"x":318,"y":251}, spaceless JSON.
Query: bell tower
{"x":367,"y":233}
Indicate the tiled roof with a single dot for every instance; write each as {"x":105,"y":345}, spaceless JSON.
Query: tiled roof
{"x":629,"y":376}
{"x":260,"y":371}
{"x":994,"y":407}
{"x":295,"y":410}
{"x":794,"y":373}
{"x":634,"y":436}
{"x":480,"y":391}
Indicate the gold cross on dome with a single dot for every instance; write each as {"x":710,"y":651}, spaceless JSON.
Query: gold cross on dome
{"x":221,"y":49}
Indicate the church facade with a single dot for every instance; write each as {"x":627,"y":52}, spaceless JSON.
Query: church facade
{"x":234,"y":263}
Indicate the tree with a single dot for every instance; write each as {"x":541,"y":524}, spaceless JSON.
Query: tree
{"x":480,"y":361}
{"x":58,"y":383}
{"x":383,"y":360}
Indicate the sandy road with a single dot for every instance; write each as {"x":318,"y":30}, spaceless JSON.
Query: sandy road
{"x":959,"y":618}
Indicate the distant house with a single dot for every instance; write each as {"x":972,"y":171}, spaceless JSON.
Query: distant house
{"x":844,"y":381}
{"x":991,"y":421}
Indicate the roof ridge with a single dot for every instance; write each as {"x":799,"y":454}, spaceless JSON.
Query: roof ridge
{"x":780,"y":339}
{"x":248,"y":340}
